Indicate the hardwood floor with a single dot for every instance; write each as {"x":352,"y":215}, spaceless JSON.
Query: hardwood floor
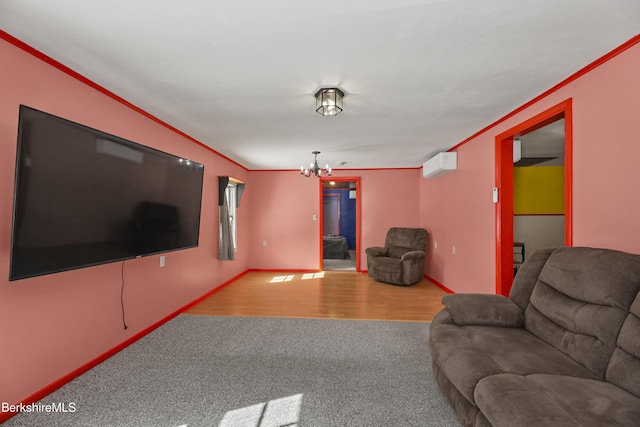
{"x":329,"y":294}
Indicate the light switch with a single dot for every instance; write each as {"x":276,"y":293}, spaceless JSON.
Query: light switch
{"x":162,"y":261}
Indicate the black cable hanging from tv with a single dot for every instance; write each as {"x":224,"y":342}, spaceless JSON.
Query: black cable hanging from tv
{"x":124,"y":323}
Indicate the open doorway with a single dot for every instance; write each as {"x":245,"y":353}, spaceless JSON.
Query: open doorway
{"x":506,"y":244}
{"x":538,"y":191}
{"x":340,"y":223}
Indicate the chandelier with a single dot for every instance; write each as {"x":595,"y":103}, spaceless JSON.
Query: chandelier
{"x":315,"y":169}
{"x":329,"y":101}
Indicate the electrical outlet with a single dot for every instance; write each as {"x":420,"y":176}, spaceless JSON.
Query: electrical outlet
{"x":264,"y":243}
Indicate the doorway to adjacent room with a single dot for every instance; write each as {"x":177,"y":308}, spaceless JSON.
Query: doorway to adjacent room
{"x":538,"y":191}
{"x":340,"y":223}
{"x":505,"y":187}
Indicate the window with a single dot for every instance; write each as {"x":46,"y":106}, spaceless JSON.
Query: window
{"x":229,"y":192}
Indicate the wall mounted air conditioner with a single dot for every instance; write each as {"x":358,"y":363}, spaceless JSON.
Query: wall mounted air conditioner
{"x":440,"y":164}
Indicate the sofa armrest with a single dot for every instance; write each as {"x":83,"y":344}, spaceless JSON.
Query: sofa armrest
{"x":413,"y":255}
{"x":376,"y":251}
{"x":441,"y":318}
{"x":483,"y":309}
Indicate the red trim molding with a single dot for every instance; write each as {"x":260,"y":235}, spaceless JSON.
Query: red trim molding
{"x":30,"y":50}
{"x":281,"y":270}
{"x":341,"y":170}
{"x":41,"y":394}
{"x":438,"y":284}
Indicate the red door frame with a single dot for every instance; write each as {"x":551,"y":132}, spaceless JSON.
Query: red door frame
{"x":504,"y":183}
{"x":358,"y":216}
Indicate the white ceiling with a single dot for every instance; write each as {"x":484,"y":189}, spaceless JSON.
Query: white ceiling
{"x":239,"y":76}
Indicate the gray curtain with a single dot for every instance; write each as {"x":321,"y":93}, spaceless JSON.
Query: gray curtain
{"x":225,"y":252}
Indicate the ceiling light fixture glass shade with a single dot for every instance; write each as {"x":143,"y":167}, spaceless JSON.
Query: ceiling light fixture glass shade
{"x":329,"y":101}
{"x":314,"y":169}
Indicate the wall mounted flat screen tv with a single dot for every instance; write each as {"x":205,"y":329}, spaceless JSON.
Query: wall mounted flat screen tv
{"x":84,"y":197}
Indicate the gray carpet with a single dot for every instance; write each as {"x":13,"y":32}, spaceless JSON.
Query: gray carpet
{"x":237,"y":371}
{"x":340,"y":264}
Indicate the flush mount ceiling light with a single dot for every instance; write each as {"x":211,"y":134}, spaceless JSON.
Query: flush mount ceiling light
{"x":329,"y":101}
{"x":315,"y":169}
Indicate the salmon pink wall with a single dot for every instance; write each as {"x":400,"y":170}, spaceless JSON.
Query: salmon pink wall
{"x":457,"y":210}
{"x":606,"y":108}
{"x":281,"y":213}
{"x":55,"y":324}
{"x":284,"y":202}
{"x":390,"y":198}
{"x":457,"y":207}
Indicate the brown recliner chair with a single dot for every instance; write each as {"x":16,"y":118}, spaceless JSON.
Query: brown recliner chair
{"x":401,"y":261}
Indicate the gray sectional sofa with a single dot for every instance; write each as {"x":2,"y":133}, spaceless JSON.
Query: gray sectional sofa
{"x":562,"y":350}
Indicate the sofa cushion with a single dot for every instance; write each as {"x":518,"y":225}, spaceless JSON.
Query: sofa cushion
{"x":388,"y":269}
{"x":624,"y":366}
{"x":398,"y":251}
{"x":554,"y":400}
{"x":376,"y":251}
{"x":580,"y":300}
{"x":483,"y":309}
{"x":527,"y":277}
{"x":415,"y":238}
{"x":466,"y":354}
{"x":467,"y":412}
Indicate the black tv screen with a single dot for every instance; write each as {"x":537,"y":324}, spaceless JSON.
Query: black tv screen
{"x":84,"y":197}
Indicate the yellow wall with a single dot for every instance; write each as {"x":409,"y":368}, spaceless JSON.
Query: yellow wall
{"x":538,"y":190}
